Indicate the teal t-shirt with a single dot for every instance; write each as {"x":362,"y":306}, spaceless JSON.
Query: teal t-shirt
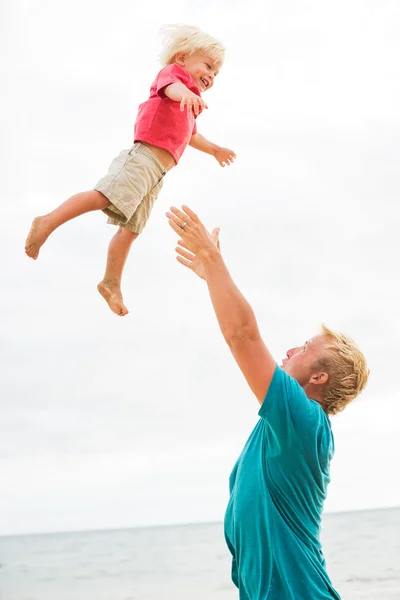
{"x":277,"y":491}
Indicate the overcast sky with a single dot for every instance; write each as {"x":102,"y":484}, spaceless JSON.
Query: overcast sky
{"x":111,"y":422}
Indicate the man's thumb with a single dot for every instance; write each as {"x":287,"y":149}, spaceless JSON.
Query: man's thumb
{"x":215,"y":234}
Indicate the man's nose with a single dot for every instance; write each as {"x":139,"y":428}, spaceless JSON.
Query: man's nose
{"x":292,"y":351}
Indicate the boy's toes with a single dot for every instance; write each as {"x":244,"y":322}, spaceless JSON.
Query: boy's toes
{"x":32,"y":252}
{"x":112,"y":295}
{"x":124,"y":311}
{"x":36,"y":237}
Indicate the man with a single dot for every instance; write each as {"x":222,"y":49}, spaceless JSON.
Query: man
{"x":279,"y":483}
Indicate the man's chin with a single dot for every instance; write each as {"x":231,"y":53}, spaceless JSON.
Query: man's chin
{"x":286,"y":368}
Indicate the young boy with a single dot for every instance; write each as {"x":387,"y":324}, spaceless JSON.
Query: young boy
{"x":165,"y":125}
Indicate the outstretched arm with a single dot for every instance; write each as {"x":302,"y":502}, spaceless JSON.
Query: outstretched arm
{"x":180,"y":93}
{"x":224,"y":156}
{"x":235,"y":315}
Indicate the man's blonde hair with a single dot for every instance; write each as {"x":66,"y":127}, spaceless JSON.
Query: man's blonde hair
{"x":346,"y":367}
{"x":189,"y":40}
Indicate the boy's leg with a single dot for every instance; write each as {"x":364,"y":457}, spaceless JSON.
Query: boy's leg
{"x":118,"y":250}
{"x":75,"y":206}
{"x":110,"y":287}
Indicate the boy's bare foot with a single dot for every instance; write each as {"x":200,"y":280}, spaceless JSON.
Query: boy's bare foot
{"x":36,"y":237}
{"x":113,"y":296}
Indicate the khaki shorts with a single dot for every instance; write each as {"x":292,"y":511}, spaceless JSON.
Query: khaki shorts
{"x":132,"y":185}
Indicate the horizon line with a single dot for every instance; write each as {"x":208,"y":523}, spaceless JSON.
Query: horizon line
{"x":169,"y":525}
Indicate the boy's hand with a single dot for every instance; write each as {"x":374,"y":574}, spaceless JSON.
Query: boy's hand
{"x":193,"y":102}
{"x":225,"y":156}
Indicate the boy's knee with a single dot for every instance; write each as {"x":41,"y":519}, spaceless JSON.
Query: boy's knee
{"x":127,"y":234}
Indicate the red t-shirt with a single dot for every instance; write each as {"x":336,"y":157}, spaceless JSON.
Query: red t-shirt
{"x":160,"y":121}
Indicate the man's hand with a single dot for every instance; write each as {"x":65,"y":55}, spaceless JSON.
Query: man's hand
{"x":225,"y":156}
{"x":195,"y":238}
{"x":193,"y":102}
{"x":190,"y":260}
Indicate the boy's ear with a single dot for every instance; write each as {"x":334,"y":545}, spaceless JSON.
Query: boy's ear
{"x":180,"y":58}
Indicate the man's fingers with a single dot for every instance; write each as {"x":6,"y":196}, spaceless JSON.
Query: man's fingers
{"x":182,"y":243}
{"x":175,"y":227}
{"x":182,"y":215}
{"x":187,"y":216}
{"x":215,"y":235}
{"x":178,"y":217}
{"x":190,"y":213}
{"x":184,"y":262}
{"x":184,"y":253}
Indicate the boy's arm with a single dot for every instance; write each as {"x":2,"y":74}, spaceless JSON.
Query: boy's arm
{"x":180,"y":93}
{"x":176,"y":90}
{"x":223,"y":155}
{"x":199,"y":142}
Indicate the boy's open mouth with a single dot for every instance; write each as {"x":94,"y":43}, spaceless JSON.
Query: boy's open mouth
{"x":204,"y":82}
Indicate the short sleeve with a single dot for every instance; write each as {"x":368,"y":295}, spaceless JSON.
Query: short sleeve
{"x":172,"y":74}
{"x":194,"y":128}
{"x":287,"y":411}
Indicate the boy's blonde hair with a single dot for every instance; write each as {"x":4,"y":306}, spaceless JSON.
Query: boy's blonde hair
{"x":189,"y":40}
{"x":346,"y":367}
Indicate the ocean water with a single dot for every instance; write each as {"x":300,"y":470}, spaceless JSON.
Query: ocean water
{"x":188,"y":562}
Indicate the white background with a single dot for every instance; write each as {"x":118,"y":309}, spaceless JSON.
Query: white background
{"x":109,"y":422}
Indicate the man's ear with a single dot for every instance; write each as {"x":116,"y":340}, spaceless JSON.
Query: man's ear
{"x":180,"y":58}
{"x":319,"y":378}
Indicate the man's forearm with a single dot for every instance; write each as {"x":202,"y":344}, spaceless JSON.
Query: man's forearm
{"x":235,"y":315}
{"x":199,"y":142}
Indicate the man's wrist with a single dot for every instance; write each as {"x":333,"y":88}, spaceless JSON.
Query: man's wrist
{"x":209,"y":255}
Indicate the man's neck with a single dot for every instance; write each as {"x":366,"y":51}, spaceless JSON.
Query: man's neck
{"x":313,"y":395}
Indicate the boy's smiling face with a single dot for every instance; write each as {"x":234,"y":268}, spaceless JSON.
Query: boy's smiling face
{"x":201,"y":68}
